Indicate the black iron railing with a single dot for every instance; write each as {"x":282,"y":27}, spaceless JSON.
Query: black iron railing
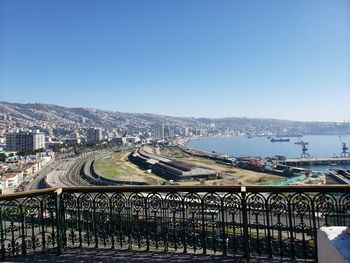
{"x":255,"y":221}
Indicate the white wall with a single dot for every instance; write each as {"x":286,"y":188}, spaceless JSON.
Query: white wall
{"x":333,"y":245}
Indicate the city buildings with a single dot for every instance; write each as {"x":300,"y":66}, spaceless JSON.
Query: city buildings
{"x":94,"y":134}
{"x":127,"y":140}
{"x":25,"y":141}
{"x":74,"y":138}
{"x":38,"y":140}
{"x":159,"y":131}
{"x":162,"y":132}
{"x":11,"y":180}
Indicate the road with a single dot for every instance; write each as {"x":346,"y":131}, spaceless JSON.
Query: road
{"x":36,"y":183}
{"x":56,"y":178}
{"x":58,"y":163}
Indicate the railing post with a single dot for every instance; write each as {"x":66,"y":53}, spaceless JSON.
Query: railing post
{"x":146,"y":228}
{"x":43,"y":237}
{"x":269,"y":238}
{"x":95,"y":225}
{"x":223,"y":226}
{"x":2,"y":233}
{"x":79,"y":225}
{"x":245,"y":223}
{"x":204,"y":238}
{"x":112,"y":222}
{"x":22,"y":230}
{"x":129,"y":223}
{"x":184,"y":225}
{"x":58,"y":208}
{"x":338,"y":213}
{"x":314,"y":225}
{"x":291,"y":227}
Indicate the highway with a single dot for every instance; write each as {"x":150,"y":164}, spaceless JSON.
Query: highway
{"x":37,"y":182}
{"x":61,"y":172}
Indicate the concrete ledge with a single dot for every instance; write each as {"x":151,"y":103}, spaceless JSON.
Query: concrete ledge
{"x":333,"y":244}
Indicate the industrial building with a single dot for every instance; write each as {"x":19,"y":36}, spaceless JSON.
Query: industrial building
{"x":178,"y":170}
{"x":170,"y":169}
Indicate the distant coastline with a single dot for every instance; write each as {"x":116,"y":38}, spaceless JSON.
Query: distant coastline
{"x":240,"y":146}
{"x":190,"y":139}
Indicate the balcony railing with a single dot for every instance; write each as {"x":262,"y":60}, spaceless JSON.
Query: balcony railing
{"x":248,"y":222}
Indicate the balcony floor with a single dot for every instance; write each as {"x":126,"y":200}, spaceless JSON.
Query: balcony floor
{"x":108,"y":255}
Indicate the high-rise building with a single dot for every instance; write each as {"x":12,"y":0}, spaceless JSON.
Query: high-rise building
{"x":25,"y":141}
{"x":94,"y":134}
{"x":11,"y":142}
{"x":158,"y":132}
{"x":166,"y":132}
{"x":186,"y":132}
{"x":38,"y":140}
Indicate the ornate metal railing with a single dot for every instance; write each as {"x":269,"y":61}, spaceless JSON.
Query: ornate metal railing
{"x":255,"y":221}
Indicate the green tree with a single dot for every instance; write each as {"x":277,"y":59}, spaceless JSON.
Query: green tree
{"x":3,"y":157}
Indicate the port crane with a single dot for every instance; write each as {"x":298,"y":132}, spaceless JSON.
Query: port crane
{"x":304,"y":154}
{"x":345,"y":149}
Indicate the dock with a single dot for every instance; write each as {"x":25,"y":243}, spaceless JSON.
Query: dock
{"x":313,"y":161}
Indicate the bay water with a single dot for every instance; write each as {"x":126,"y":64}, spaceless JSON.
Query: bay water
{"x":240,"y":146}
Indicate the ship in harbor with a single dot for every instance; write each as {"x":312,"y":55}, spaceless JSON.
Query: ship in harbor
{"x":279,"y":140}
{"x":301,"y":143}
{"x":289,"y":135}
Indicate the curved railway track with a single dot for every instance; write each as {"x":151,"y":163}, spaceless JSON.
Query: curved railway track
{"x":80,"y":173}
{"x":72,"y":175}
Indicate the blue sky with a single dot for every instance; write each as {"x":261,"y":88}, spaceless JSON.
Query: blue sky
{"x":285,"y":59}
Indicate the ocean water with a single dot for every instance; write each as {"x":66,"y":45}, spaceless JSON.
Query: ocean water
{"x":319,"y":146}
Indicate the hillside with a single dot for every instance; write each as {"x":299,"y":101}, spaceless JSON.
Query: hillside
{"x":43,"y":115}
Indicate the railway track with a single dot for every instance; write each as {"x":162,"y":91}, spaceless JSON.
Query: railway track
{"x":72,"y":176}
{"x":79,"y":173}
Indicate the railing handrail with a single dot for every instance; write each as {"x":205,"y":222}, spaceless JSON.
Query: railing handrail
{"x":211,"y":188}
{"x":4,"y":197}
{"x":184,"y":188}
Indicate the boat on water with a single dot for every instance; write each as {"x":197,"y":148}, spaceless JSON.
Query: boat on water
{"x":301,"y":142}
{"x":289,"y":135}
{"x":279,"y":140}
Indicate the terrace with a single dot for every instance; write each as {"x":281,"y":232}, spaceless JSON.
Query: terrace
{"x":169,"y":223}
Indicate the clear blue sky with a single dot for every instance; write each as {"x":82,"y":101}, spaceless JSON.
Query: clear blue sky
{"x":286,"y":59}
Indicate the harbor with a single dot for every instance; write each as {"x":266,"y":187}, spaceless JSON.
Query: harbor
{"x":316,"y":161}
{"x":318,"y":146}
{"x":287,"y":156}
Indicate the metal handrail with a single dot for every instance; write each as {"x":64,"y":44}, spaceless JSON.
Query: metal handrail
{"x":30,"y":193}
{"x":185,"y":188}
